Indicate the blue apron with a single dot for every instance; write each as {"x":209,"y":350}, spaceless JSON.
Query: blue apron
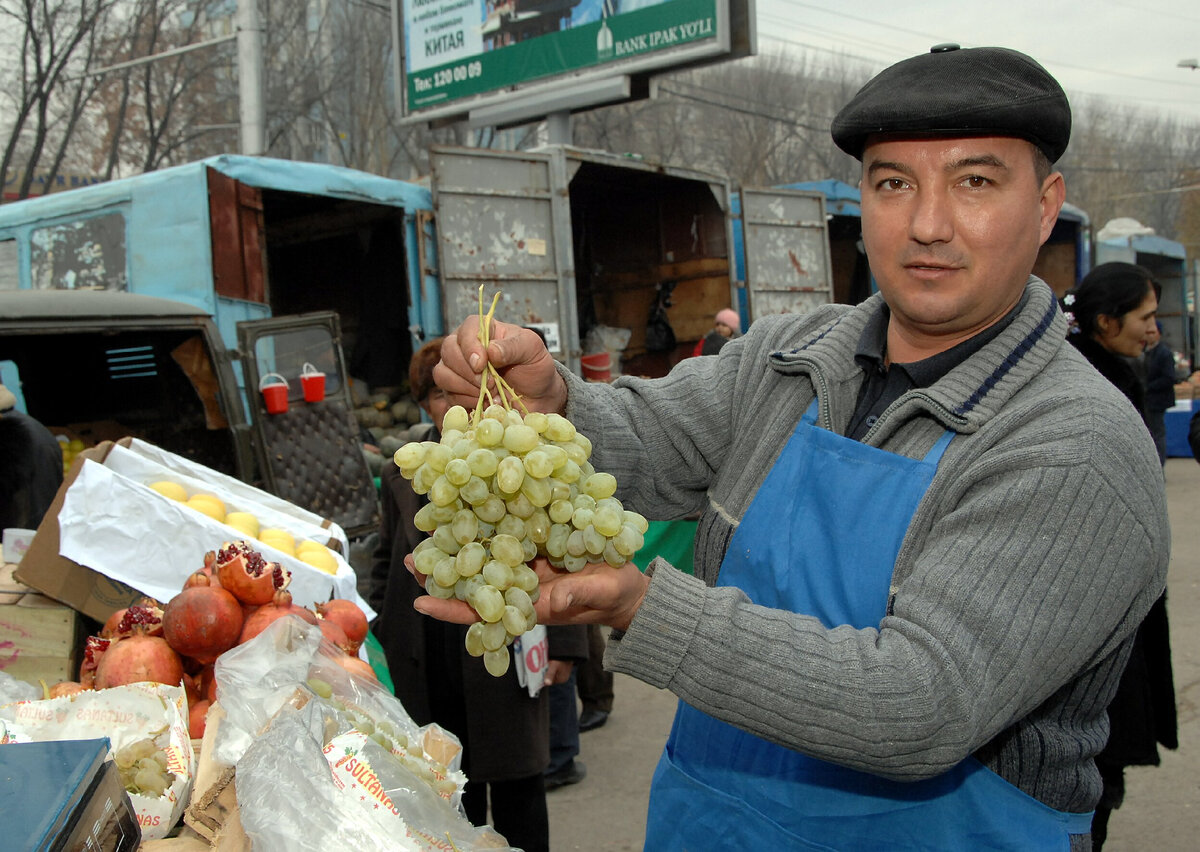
{"x":821,"y":538}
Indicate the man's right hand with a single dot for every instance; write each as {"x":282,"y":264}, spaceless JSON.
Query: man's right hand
{"x":517,"y":353}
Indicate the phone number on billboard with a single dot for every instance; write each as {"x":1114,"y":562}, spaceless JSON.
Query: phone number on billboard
{"x":446,"y":76}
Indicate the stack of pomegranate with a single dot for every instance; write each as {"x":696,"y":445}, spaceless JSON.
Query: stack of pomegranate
{"x":226,"y":603}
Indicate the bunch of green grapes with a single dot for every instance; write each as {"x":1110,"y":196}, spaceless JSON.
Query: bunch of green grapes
{"x":143,"y":768}
{"x":504,"y":489}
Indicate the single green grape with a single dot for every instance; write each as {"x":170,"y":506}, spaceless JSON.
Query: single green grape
{"x":537,"y":526}
{"x":427,"y":559}
{"x":516,"y":596}
{"x":483,"y":462}
{"x":559,"y":428}
{"x":569,"y":473}
{"x":410,"y":456}
{"x":423,"y":519}
{"x":582,"y":518}
{"x":474,"y":640}
{"x":574,"y":563}
{"x":507,"y":549}
{"x":613,"y":556}
{"x":496,"y":662}
{"x":536,"y":491}
{"x":594,"y":541}
{"x":560,"y":512}
{"x":520,"y":505}
{"x":489,"y":432}
{"x":438,"y":456}
{"x":497,"y":574}
{"x":442,"y":493}
{"x":556,"y":541}
{"x":435,"y":589}
{"x":424,"y":478}
{"x":600,"y":485}
{"x":584,"y":501}
{"x":458,"y":472}
{"x":560,"y":490}
{"x":444,"y":538}
{"x":513,"y":620}
{"x":470,"y":559}
{"x":445,"y":574}
{"x":495,"y":633}
{"x":488,"y":603}
{"x":537,"y":464}
{"x":638,"y":522}
{"x":510,"y":473}
{"x":511,"y":525}
{"x":492,"y":510}
{"x":575,"y":544}
{"x":475,"y":491}
{"x":537,"y":421}
{"x":628,"y":541}
{"x":530,"y":549}
{"x":575,"y":453}
{"x":456,"y":417}
{"x":583,"y":441}
{"x":465,"y":526}
{"x":607,"y":521}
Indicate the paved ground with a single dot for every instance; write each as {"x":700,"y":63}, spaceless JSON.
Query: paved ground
{"x":607,"y":811}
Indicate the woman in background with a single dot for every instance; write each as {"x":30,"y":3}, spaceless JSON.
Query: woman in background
{"x":1111,"y":314}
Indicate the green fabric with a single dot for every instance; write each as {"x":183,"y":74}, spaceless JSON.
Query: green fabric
{"x":378,"y":661}
{"x":672,"y":540}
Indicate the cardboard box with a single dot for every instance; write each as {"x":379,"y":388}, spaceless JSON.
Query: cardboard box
{"x":39,"y":637}
{"x":80,"y":588}
{"x":162,"y":566}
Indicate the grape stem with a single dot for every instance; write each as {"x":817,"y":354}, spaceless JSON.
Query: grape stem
{"x":502,"y":387}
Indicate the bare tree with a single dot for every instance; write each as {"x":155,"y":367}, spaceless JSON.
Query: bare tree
{"x":57,"y":38}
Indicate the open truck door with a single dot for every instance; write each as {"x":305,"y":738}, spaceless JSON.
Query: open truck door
{"x":309,"y":449}
{"x":500,"y":223}
{"x":788,"y":268}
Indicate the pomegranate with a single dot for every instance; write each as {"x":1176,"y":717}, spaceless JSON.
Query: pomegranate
{"x":357,"y":667}
{"x":349,"y":617}
{"x":136,"y":658}
{"x":197,"y":716}
{"x":206,"y":684}
{"x":146,"y":611}
{"x":93,"y":649}
{"x":334,"y":633}
{"x":203,"y":621}
{"x":65,"y":687}
{"x":280,"y":606}
{"x":244,"y":572}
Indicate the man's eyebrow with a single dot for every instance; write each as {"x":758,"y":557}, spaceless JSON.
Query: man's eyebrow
{"x":888,"y":166}
{"x":981,"y":160}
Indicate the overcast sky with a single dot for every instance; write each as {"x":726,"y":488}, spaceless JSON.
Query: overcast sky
{"x":1126,"y":50}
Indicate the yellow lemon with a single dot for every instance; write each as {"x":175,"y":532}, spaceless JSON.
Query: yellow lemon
{"x":279,"y":539}
{"x":208,"y":505}
{"x":322,"y":559}
{"x":170,"y":490}
{"x":243,"y":522}
{"x":308,"y":544}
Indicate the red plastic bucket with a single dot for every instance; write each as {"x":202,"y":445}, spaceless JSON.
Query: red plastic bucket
{"x":597,"y":367}
{"x":313,"y":383}
{"x":275,"y":393}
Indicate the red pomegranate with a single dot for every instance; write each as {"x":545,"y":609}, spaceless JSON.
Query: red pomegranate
{"x":349,"y":617}
{"x":334,"y":633}
{"x":136,"y":658}
{"x":93,"y":649}
{"x":65,"y":687}
{"x":280,"y":606}
{"x":206,"y":684}
{"x":358,"y":667}
{"x":145,"y":611}
{"x":203,"y":621}
{"x":244,"y":572}
{"x":197,"y":715}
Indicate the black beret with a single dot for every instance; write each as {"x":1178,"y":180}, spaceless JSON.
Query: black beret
{"x":953,"y":91}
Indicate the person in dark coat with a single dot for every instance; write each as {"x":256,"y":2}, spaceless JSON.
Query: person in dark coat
{"x":31,"y":466}
{"x":1111,"y":314}
{"x":1160,"y":387}
{"x":504,"y":732}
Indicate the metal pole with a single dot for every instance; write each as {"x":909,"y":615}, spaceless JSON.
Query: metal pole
{"x":558,"y":127}
{"x":250,"y":78}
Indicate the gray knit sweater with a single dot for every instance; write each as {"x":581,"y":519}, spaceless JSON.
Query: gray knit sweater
{"x":1040,"y":545}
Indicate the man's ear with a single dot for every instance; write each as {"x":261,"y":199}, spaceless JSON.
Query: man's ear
{"x":1054,"y":193}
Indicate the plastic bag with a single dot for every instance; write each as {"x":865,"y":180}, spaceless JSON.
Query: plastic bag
{"x":289,"y":664}
{"x":12,"y":690}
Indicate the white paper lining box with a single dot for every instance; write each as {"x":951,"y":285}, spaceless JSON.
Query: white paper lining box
{"x":108,"y":539}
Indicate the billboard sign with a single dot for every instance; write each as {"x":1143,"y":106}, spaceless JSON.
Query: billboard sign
{"x":462,"y":54}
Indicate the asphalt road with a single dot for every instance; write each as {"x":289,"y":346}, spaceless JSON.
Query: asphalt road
{"x":606,"y":812}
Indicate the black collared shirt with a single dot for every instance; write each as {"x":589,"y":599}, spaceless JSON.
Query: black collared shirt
{"x":883,"y":385}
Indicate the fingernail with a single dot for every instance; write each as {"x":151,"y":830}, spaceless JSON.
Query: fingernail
{"x":474,"y":359}
{"x":570,"y":599}
{"x":419,"y":605}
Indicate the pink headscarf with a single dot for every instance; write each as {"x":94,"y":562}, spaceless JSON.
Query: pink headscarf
{"x":729,"y":317}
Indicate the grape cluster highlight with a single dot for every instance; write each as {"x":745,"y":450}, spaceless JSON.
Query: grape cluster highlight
{"x":504,"y":489}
